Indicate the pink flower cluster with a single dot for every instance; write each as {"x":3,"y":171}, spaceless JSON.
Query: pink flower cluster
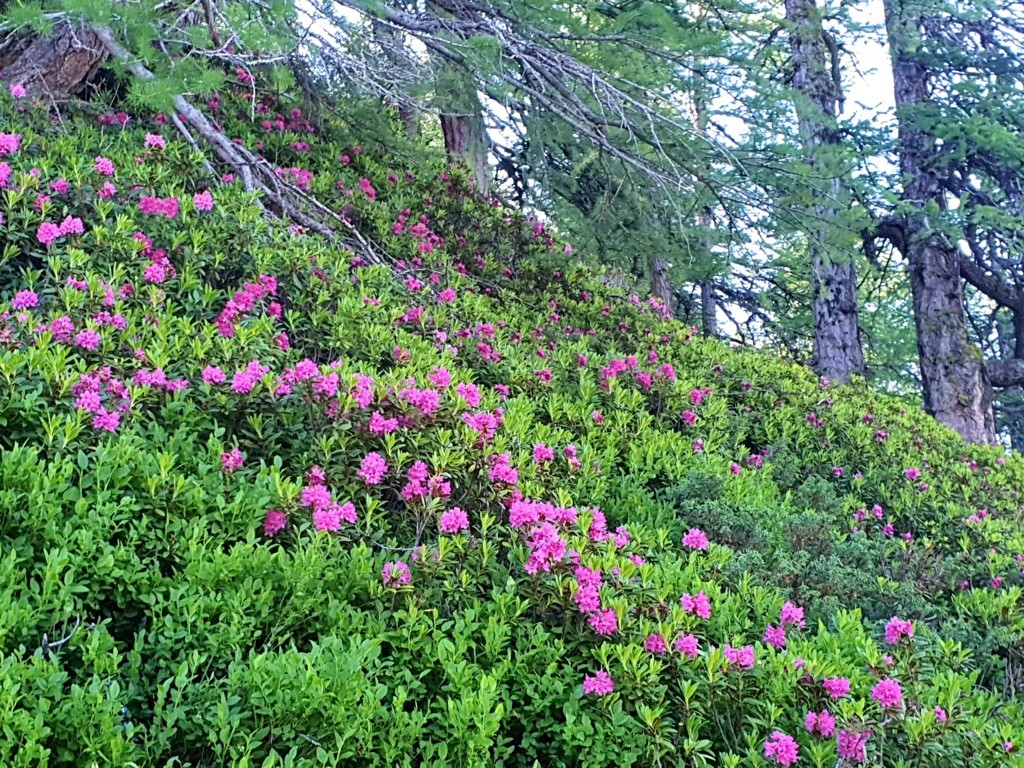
{"x":546,"y":548}
{"x":782,"y":748}
{"x":159,"y":206}
{"x":897,"y":628}
{"x":836,"y":687}
{"x":695,"y":538}
{"x":300,"y":177}
{"x":362,"y":393}
{"x":98,"y":390}
{"x":588,"y":588}
{"x":426,"y":401}
{"x":231,"y":461}
{"x":599,"y":684}
{"x":821,"y":723}
{"x":25,"y":300}
{"x":103,"y":166}
{"x":453,"y":521}
{"x":395,"y":574}
{"x":688,"y":645}
{"x":485,"y":424}
{"x":421,"y":484}
{"x":655,"y":644}
{"x":203,"y":201}
{"x":373,"y":468}
{"x":853,"y":746}
{"x":9,"y":143}
{"x":888,"y":693}
{"x":157,"y":379}
{"x":274,"y":522}
{"x":698,"y":604}
{"x":48,"y":231}
{"x":327,"y":514}
{"x":244,"y":302}
{"x":543,"y":453}
{"x":245,"y":380}
{"x":741,"y":657}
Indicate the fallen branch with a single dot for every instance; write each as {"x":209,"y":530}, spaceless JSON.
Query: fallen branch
{"x":258,"y":175}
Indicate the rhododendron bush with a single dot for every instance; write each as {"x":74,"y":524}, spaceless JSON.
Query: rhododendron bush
{"x":265,"y":502}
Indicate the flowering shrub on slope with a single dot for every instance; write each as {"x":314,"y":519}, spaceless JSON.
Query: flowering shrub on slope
{"x":264,"y":503}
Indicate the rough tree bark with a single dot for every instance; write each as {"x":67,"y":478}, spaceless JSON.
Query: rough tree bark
{"x":708,"y":308}
{"x":956,"y":391}
{"x":661,"y":287}
{"x":56,"y":65}
{"x":465,"y":140}
{"x":838,"y":354}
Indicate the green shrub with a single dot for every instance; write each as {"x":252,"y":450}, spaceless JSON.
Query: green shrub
{"x":168,"y":601}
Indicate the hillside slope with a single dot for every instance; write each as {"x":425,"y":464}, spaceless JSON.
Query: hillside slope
{"x":264,"y":504}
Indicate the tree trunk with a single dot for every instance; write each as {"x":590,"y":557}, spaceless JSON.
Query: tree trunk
{"x":57,"y":65}
{"x":708,"y":308}
{"x":838,"y":354}
{"x":661,"y":287}
{"x":465,"y":140}
{"x":956,"y":391}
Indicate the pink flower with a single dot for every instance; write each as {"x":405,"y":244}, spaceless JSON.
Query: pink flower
{"x":154,"y":141}
{"x":106,"y":421}
{"x":231,"y":460}
{"x":896,"y":629}
{"x":655,"y":644}
{"x":543,"y":453}
{"x":329,"y":517}
{"x":18,"y":91}
{"x":439,"y":377}
{"x":469,"y":393}
{"x":9,"y":143}
{"x":103,"y":166}
{"x":940,"y":714}
{"x":159,"y":206}
{"x":741,"y":657}
{"x":887,"y":692}
{"x":912,"y":474}
{"x":447,"y":296}
{"x":47,"y":232}
{"x":382,"y":426}
{"x":373,"y":468}
{"x":88,"y":339}
{"x":791,"y":615}
{"x":775,"y":636}
{"x":836,"y":687}
{"x":274,"y":522}
{"x":853,"y":746}
{"x":782,"y":748}
{"x":212,"y":374}
{"x":687,"y":645}
{"x":689,"y":418}
{"x":107,"y":191}
{"x":25,"y":300}
{"x":454,"y":521}
{"x":698,"y":604}
{"x":203,"y":201}
{"x":395,"y":574}
{"x":599,"y":684}
{"x":695,"y":538}
{"x":823,"y":723}
{"x":72,"y":226}
{"x":604,"y":622}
